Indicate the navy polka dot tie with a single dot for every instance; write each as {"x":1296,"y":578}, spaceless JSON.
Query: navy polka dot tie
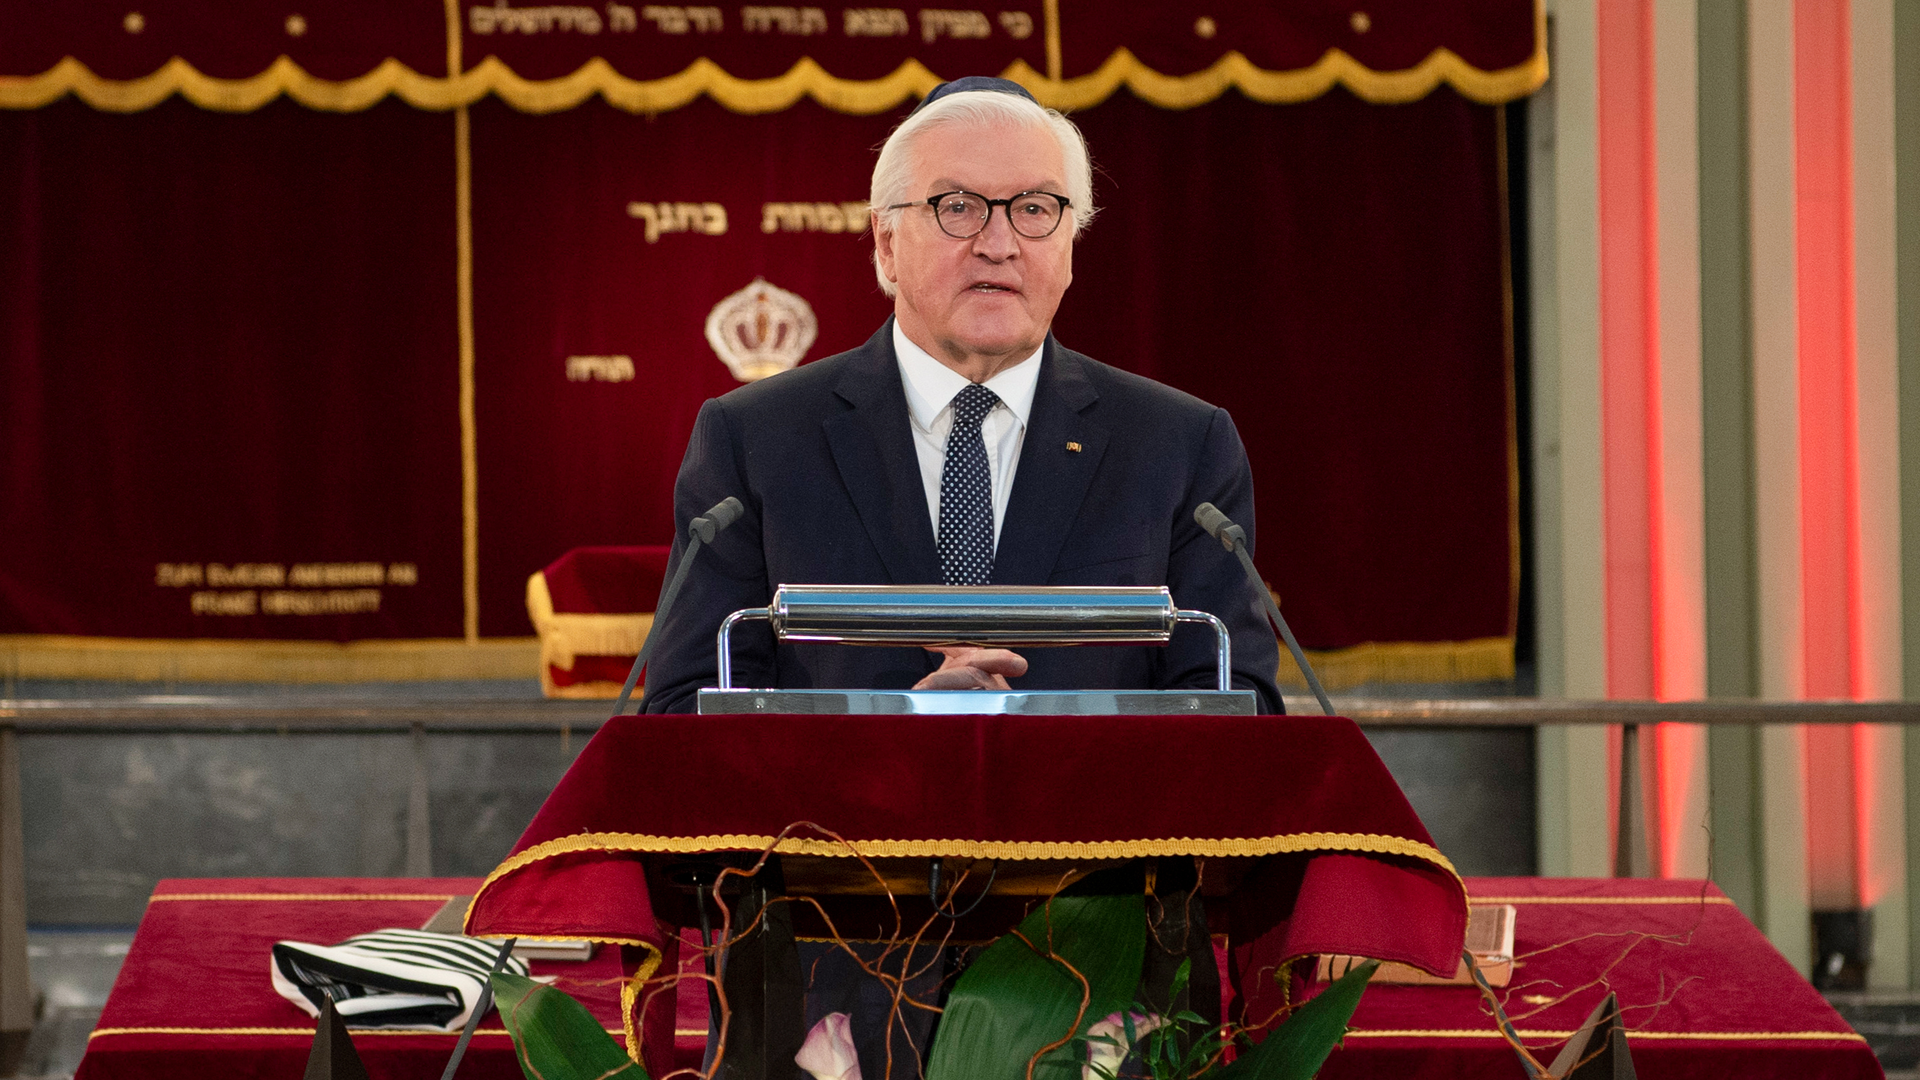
{"x":966,"y":493}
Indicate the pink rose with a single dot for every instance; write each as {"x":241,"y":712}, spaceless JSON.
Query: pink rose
{"x":1107,"y":1044}
{"x":828,"y":1052}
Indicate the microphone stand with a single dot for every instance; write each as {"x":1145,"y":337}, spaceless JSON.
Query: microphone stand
{"x":480,"y":1008}
{"x":1234,"y":539}
{"x":700,"y":531}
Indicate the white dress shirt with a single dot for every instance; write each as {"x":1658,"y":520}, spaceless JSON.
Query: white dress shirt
{"x":931,"y":387}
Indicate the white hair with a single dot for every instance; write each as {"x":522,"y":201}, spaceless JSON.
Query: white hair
{"x":893,"y":173}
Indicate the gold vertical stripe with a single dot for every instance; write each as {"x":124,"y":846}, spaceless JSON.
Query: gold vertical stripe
{"x":1051,"y":11}
{"x":469,"y":458}
{"x":451,"y":8}
{"x":463,"y":284}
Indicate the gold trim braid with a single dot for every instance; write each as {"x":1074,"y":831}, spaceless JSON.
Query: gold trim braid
{"x":1371,"y":843}
{"x":805,"y":79}
{"x":637,"y":843}
{"x":630,"y":993}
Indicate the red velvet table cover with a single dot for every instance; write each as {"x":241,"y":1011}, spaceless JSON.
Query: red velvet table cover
{"x":1347,"y":866}
{"x":194,"y":998}
{"x":1702,"y":993}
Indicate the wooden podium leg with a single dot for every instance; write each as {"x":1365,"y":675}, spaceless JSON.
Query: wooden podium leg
{"x":764,"y":990}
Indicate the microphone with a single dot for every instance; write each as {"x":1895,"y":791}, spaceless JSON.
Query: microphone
{"x":1234,"y":539}
{"x":714,"y":521}
{"x":700,"y":531}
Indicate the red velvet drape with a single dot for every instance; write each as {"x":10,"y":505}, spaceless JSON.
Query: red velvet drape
{"x":231,"y":339}
{"x":225,"y":338}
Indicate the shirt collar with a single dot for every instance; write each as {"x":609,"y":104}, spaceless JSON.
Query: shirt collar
{"x":931,"y":385}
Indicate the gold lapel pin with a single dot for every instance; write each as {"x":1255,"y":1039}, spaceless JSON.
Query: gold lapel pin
{"x":1073,"y":447}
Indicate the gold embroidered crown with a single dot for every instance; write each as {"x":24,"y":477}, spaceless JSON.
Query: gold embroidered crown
{"x":761,"y":330}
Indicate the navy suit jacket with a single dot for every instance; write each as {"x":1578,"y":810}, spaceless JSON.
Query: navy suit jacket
{"x":823,"y":459}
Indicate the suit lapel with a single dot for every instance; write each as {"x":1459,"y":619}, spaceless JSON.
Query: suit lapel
{"x":872,"y":444}
{"x":1053,"y":477}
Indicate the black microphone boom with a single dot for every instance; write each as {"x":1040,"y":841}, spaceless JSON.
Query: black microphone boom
{"x":480,"y":1008}
{"x":1234,"y":539}
{"x":700,"y":531}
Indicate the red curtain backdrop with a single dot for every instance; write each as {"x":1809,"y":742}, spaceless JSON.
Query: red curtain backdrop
{"x":225,"y":339}
{"x":1331,"y":274}
{"x":229,"y":343}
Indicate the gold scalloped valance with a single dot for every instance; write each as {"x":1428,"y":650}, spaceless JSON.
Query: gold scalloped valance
{"x":805,"y":78}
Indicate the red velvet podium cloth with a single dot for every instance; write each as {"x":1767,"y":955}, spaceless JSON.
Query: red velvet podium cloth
{"x":1334,"y":858}
{"x":1703,"y":994}
{"x":194,"y":998}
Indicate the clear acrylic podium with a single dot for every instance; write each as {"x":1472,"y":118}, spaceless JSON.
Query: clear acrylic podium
{"x":997,"y":616}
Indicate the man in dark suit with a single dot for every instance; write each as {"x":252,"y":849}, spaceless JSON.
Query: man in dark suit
{"x":962,"y":444}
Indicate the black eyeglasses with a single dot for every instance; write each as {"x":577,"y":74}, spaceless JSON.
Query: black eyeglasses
{"x":964,"y":215}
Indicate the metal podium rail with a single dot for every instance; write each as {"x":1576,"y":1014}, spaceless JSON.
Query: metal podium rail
{"x":998,"y":616}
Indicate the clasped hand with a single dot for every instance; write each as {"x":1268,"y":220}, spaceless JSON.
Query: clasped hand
{"x":970,"y":668}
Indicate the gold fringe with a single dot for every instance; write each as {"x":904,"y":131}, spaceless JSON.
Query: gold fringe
{"x":566,"y":636}
{"x":1477,"y":660}
{"x":750,"y":96}
{"x":591,"y":690}
{"x":57,"y":656}
{"x":630,"y":993}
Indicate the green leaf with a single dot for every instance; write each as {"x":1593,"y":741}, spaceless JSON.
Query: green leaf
{"x":555,"y":1037}
{"x":1012,"y":1001}
{"x":1300,"y":1045}
{"x":1180,"y":979}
